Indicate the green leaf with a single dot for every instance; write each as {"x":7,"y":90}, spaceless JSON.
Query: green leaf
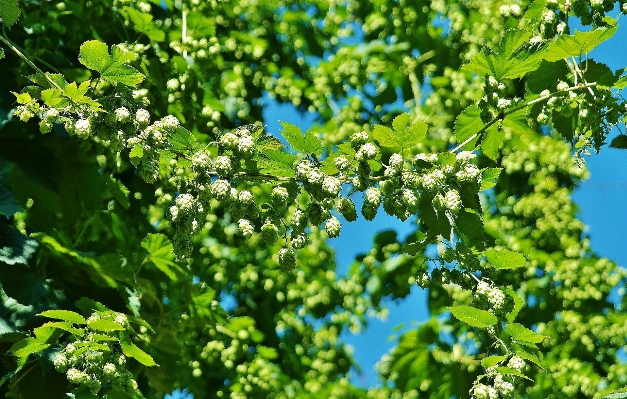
{"x":511,"y":59}
{"x":467,"y":124}
{"x":578,"y":44}
{"x":492,"y":142}
{"x":104,"y":325}
{"x":511,"y":371}
{"x":131,"y":350}
{"x":617,"y":394}
{"x":384,"y":136}
{"x":28,"y":346}
{"x":161,"y":254}
{"x":1,"y":53}
{"x":308,"y":143}
{"x":22,"y":98}
{"x":619,"y":141}
{"x":275,"y":162}
{"x":473,"y":316}
{"x":9,"y":12}
{"x":182,"y":140}
{"x":546,"y":76}
{"x":15,"y":247}
{"x":518,"y":304}
{"x":523,"y":352}
{"x":142,"y":23}
{"x":65,"y":315}
{"x":95,"y":55}
{"x":504,"y":259}
{"x":522,"y":333}
{"x":489,"y":177}
{"x":402,"y":136}
{"x":492,"y":361}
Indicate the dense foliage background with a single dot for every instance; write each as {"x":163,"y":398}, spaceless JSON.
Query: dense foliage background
{"x":137,"y":188}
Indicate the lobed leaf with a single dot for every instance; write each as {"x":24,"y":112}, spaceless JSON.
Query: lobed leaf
{"x":95,"y":55}
{"x":492,"y":361}
{"x":161,"y":254}
{"x":307,"y":143}
{"x":579,"y":43}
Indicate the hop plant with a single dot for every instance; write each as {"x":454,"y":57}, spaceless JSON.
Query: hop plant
{"x":269,"y":232}
{"x":222,"y":165}
{"x":333,"y":227}
{"x":347,"y":208}
{"x":287,"y":259}
{"x":245,"y":227}
{"x":279,"y":197}
{"x":82,"y":128}
{"x":221,"y":189}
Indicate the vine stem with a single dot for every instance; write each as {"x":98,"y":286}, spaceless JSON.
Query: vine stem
{"x":29,"y":62}
{"x":518,"y":108}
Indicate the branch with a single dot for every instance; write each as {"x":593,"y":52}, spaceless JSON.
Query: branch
{"x":510,"y":111}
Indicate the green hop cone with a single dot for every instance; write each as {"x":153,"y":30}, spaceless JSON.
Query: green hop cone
{"x":347,"y":209}
{"x":333,"y":227}
{"x":269,"y":233}
{"x":287,"y":259}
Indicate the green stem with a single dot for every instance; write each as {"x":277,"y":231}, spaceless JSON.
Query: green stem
{"x":518,"y":108}
{"x":29,"y":62}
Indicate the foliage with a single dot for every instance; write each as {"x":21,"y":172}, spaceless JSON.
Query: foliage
{"x":139,"y":192}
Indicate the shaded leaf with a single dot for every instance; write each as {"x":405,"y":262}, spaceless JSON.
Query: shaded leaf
{"x":9,"y":12}
{"x":132,"y":350}
{"x":161,"y":254}
{"x":467,"y":124}
{"x":619,"y":141}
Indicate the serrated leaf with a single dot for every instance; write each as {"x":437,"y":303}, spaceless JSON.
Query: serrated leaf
{"x":182,"y":140}
{"x":546,"y":76}
{"x":1,"y":53}
{"x":619,"y":141}
{"x":161,"y":254}
{"x":65,"y":315}
{"x":307,"y":143}
{"x":525,"y":354}
{"x":489,"y":177}
{"x":131,"y":350}
{"x":492,"y":361}
{"x":22,"y":98}
{"x":510,"y":60}
{"x":578,"y":44}
{"x":504,"y":259}
{"x":142,"y":22}
{"x":617,"y":394}
{"x":384,"y":136}
{"x":104,"y":325}
{"x":54,"y":98}
{"x":95,"y":55}
{"x":402,"y":136}
{"x":9,"y":12}
{"x":400,"y":122}
{"x":467,"y":124}
{"x":492,"y":142}
{"x":473,"y":316}
{"x":522,"y":333}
